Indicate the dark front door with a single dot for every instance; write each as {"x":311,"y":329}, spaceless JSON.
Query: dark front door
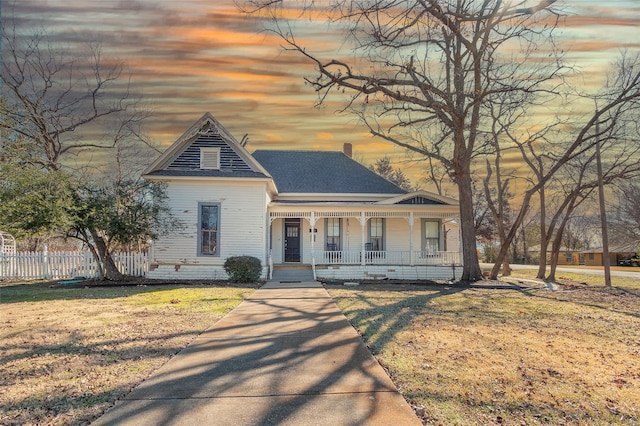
{"x":292,"y":240}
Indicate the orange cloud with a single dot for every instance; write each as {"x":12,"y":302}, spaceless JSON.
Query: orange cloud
{"x":325,"y":136}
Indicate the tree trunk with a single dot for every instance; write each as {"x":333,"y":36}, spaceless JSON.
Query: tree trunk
{"x":506,"y":268}
{"x":504,"y":249}
{"x":96,"y":257}
{"x":110,"y":269}
{"x":555,"y":254}
{"x":497,"y":212}
{"x":525,"y":248}
{"x":471,"y":267}
{"x":544,"y":240}
{"x":554,"y":265}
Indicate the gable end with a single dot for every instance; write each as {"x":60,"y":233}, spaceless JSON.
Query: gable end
{"x":419,"y":201}
{"x":206,"y":152}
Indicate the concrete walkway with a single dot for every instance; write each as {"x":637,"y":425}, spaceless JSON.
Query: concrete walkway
{"x":285,"y":356}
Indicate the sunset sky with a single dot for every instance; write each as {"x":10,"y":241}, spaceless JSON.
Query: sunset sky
{"x":192,"y":56}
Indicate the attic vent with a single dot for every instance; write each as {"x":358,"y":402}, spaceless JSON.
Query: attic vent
{"x":210,"y":158}
{"x":418,"y":200}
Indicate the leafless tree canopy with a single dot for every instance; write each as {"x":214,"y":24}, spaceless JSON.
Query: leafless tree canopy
{"x":625,"y":216}
{"x":423,"y":73}
{"x":60,"y":108}
{"x":62,"y":102}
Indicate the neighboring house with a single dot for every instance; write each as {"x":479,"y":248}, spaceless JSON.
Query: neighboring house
{"x":319,"y":209}
{"x":566,"y":256}
{"x":593,"y":257}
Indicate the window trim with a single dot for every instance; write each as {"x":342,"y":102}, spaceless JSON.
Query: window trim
{"x":326,"y":232}
{"x":384,"y":232}
{"x":203,"y":153}
{"x":219,"y":207}
{"x":423,"y":237}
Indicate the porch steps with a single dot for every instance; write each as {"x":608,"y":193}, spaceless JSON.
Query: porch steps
{"x":288,"y":273}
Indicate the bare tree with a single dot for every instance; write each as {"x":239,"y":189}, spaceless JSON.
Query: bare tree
{"x":436,"y":175}
{"x":625,"y":217}
{"x":61,"y":107}
{"x":62,"y":102}
{"x":424,"y":71}
{"x":616,"y":118}
{"x":484,"y":223}
{"x":383,"y":167}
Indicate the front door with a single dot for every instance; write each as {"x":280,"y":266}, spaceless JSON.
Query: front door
{"x":292,"y":240}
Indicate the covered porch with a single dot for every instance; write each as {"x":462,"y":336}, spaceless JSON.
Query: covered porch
{"x":370,"y":241}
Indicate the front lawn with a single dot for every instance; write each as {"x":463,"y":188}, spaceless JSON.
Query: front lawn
{"x":465,"y":355}
{"x":67,"y":354}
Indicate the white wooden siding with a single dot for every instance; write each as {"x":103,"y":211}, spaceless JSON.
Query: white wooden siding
{"x":373,"y":272}
{"x":277,"y":246}
{"x":242,"y":221}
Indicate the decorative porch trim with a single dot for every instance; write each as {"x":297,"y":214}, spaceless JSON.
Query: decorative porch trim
{"x":358,"y":214}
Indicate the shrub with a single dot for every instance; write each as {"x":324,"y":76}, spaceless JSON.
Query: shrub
{"x":243,"y":269}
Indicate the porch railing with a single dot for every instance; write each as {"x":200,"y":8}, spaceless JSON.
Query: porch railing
{"x":351,"y":257}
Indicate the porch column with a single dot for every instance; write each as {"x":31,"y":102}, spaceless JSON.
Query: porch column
{"x":411,"y":219}
{"x":363,"y":222}
{"x":270,"y":220}
{"x":312,"y":223}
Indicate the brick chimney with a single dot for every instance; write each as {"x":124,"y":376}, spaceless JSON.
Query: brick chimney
{"x":347,"y":149}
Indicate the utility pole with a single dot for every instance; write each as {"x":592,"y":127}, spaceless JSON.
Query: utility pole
{"x":603,"y":213}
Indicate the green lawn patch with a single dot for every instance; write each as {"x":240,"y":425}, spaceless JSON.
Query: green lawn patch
{"x":67,"y":354}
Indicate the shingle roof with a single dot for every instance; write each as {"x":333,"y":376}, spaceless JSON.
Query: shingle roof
{"x":322,"y":172}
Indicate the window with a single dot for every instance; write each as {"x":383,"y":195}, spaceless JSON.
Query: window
{"x":376,"y":233}
{"x":591,"y":256}
{"x":208,"y":229}
{"x":569,"y":257}
{"x":332,"y":236}
{"x":210,"y":158}
{"x":430,"y":236}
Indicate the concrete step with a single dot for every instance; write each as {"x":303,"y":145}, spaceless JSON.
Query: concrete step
{"x":292,"y":273}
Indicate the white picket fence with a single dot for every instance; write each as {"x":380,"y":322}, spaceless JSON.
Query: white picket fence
{"x":67,"y":264}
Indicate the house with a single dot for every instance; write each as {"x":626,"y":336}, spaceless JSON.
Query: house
{"x":321,"y":210}
{"x":566,"y":256}
{"x":595,"y":256}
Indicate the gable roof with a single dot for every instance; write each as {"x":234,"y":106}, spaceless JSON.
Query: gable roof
{"x":326,"y":172}
{"x":182,"y":158}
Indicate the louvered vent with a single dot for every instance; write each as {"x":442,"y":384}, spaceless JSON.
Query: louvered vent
{"x":210,"y":158}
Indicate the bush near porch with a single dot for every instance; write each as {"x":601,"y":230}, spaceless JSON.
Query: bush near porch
{"x":243,"y":269}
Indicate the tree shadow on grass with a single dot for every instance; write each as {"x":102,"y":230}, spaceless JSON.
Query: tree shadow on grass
{"x":288,"y":357}
{"x":383,"y":320}
{"x":52,"y":363}
{"x":612,"y":294}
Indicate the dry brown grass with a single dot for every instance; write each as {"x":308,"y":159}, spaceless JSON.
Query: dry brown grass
{"x":464,"y":355}
{"x":505,"y":356}
{"x":66,"y":354}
